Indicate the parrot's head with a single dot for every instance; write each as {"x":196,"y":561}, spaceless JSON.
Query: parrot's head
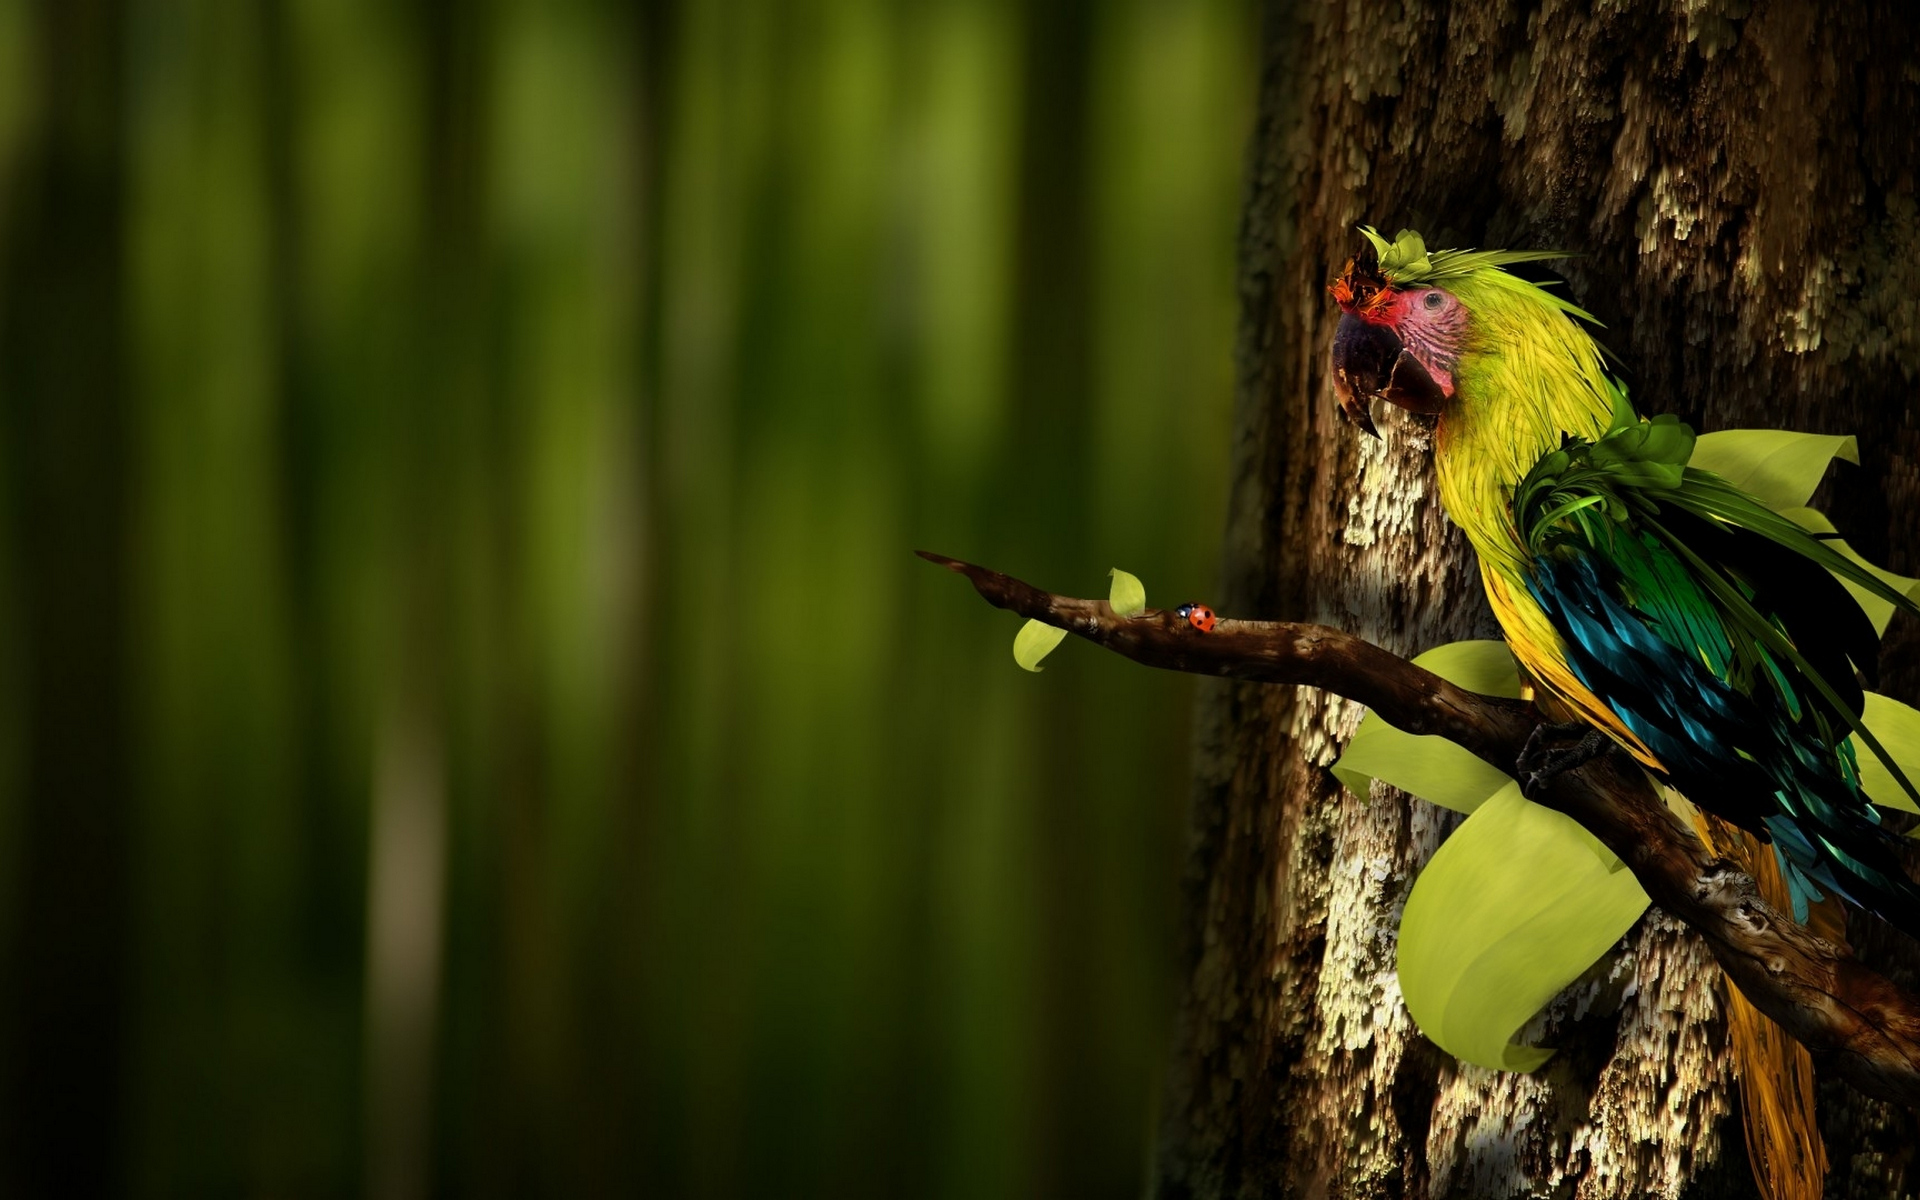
{"x":1396,"y":342}
{"x":1407,"y":319}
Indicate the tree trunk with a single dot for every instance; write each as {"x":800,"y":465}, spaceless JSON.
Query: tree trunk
{"x":1739,"y":179}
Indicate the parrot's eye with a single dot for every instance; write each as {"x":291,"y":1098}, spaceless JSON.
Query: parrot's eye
{"x":1434,"y":300}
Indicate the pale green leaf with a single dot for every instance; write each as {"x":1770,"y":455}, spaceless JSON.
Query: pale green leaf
{"x":1431,"y":768}
{"x":1898,"y":729}
{"x":1878,"y":610}
{"x":1480,"y":666}
{"x":1033,"y":643}
{"x":1778,"y":467}
{"x":1512,"y":908}
{"x":1434,"y":768}
{"x":1128,"y":597}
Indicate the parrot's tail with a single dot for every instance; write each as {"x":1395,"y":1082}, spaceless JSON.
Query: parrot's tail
{"x":1828,"y":839}
{"x":1789,"y":1158}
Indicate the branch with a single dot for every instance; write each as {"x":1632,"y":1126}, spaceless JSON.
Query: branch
{"x":1854,"y":1020}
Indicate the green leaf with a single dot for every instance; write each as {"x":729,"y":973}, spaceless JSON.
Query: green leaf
{"x":1128,"y":596}
{"x":1897,"y":728}
{"x":1480,"y":666}
{"x":1409,"y":255}
{"x":1878,"y":610}
{"x":1779,"y":467}
{"x":1434,"y":768}
{"x":1513,"y":908}
{"x":1431,"y":768}
{"x":1034,"y":641}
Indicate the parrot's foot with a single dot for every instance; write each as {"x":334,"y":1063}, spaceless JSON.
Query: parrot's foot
{"x":1542,"y":759}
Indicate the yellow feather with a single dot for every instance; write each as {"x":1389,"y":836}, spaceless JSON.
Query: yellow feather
{"x":1540,"y":652}
{"x":1528,"y":375}
{"x":1784,"y":1146}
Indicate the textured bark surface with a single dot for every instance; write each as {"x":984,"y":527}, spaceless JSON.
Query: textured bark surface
{"x":1740,"y":180}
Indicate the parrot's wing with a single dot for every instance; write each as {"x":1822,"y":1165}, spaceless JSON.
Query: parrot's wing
{"x":1716,"y":631}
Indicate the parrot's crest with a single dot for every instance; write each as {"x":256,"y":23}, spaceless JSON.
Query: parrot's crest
{"x":1406,"y":261}
{"x":1382,"y":267}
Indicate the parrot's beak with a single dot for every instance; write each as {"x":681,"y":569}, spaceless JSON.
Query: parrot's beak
{"x":1356,"y":408}
{"x":1369,"y":362}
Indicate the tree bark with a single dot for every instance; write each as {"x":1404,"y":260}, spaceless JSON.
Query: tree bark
{"x":1740,"y":182}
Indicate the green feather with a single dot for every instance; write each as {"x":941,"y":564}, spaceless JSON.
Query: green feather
{"x":1637,"y":466}
{"x":1406,"y":262}
{"x":1767,"y":634}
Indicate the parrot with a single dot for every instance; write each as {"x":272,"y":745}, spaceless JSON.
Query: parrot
{"x":1656,"y":609}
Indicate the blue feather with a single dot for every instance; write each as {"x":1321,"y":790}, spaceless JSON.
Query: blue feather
{"x":1733,"y":727}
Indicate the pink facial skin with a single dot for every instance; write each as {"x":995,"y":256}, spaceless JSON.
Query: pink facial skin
{"x":1429,"y":322}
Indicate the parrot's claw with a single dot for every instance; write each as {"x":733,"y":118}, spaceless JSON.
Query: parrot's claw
{"x":1541,"y":759}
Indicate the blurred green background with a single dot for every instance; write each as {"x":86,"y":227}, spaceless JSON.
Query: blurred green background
{"x":471,"y":722}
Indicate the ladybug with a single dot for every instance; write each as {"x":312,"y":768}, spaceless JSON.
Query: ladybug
{"x":1198,"y":615}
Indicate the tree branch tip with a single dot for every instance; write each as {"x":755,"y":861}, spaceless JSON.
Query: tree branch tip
{"x":951,"y":564}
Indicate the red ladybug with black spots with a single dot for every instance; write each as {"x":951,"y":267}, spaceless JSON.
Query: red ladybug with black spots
{"x":1198,"y":615}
